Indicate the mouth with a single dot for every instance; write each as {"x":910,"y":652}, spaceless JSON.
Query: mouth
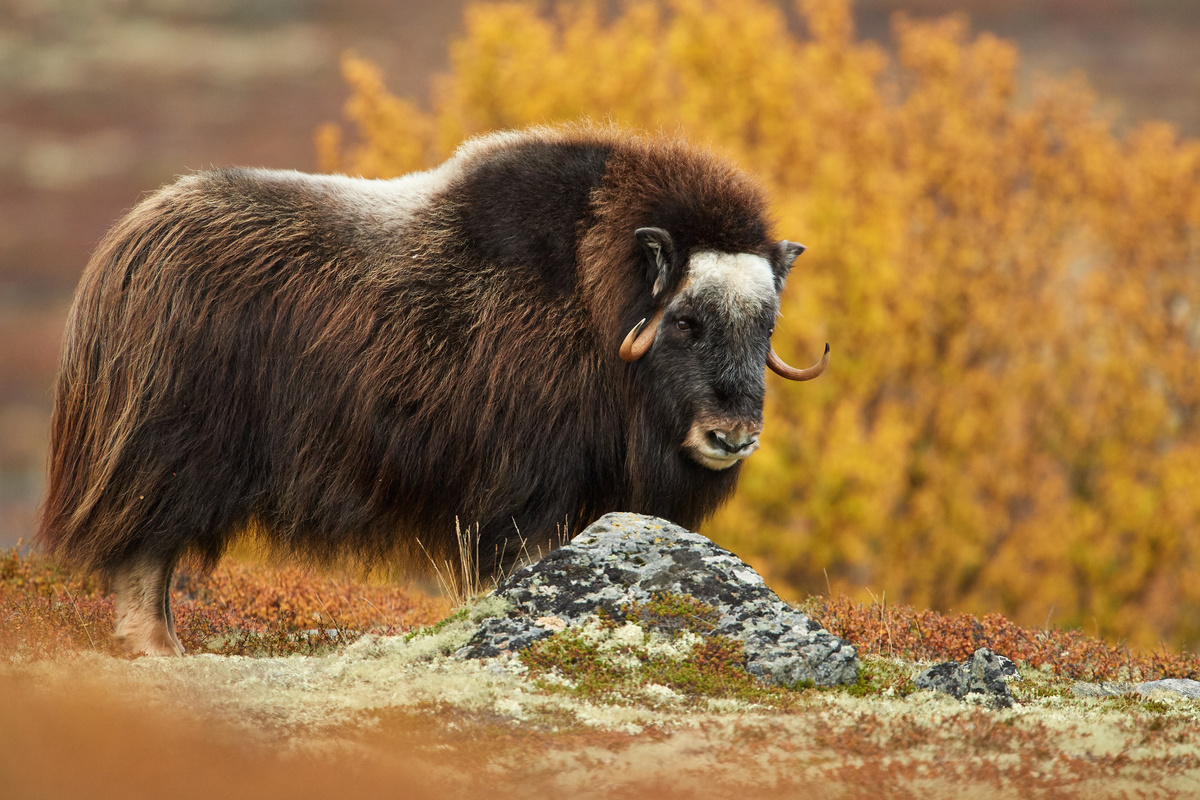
{"x":715,"y":462}
{"x":720,"y":448}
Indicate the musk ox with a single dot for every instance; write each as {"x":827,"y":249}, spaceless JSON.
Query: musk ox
{"x":553,"y":324}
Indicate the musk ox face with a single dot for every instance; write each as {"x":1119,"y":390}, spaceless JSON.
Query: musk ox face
{"x":710,"y":341}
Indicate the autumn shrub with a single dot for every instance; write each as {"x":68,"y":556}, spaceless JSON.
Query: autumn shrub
{"x":892,"y":631}
{"x":1011,"y":421}
{"x":243,"y":607}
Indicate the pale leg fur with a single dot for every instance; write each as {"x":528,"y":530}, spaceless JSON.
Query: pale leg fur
{"x":145,"y":623}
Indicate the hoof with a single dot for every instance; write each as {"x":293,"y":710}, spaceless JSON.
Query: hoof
{"x":155,"y":646}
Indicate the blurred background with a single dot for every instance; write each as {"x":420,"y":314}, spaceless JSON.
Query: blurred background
{"x":102,"y":101}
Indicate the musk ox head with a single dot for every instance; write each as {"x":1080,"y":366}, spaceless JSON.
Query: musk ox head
{"x":710,"y":339}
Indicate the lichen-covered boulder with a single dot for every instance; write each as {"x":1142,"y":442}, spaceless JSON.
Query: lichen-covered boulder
{"x":983,"y":676}
{"x":626,"y":560}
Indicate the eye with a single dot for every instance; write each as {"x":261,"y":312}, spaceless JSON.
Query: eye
{"x":683,"y":325}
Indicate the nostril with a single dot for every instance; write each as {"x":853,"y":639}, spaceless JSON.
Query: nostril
{"x":732,"y":442}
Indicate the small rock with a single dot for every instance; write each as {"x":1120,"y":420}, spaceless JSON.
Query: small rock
{"x":623,"y":559}
{"x":1180,"y":686}
{"x":1183,"y":686}
{"x":983,"y":675}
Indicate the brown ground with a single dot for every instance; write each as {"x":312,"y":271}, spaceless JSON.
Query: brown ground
{"x":261,"y":709}
{"x":372,"y":720}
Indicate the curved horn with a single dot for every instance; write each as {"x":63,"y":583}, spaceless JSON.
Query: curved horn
{"x":791,"y":373}
{"x":639,"y":338}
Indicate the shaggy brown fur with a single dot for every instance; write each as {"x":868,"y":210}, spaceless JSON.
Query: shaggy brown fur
{"x":353,"y":366}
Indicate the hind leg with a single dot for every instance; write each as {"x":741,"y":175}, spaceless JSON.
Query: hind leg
{"x":143,"y":597}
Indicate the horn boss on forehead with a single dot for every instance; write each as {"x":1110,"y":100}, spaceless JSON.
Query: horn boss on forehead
{"x":358,"y":367}
{"x":739,"y":277}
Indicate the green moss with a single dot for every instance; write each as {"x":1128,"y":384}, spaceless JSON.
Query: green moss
{"x":487,"y":606}
{"x":604,"y":662}
{"x":1155,"y":706}
{"x":432,"y":630}
{"x":574,"y":655}
{"x":878,"y":676}
{"x":1135,"y":702}
{"x":1040,"y":684}
{"x":672,"y":613}
{"x":665,"y":641}
{"x":715,"y":669}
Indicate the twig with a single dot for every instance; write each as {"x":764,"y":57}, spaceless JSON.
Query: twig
{"x":232,"y":585}
{"x":332,"y":618}
{"x":468,"y":560}
{"x":887,"y":626}
{"x":79,"y":616}
{"x":382,"y":616}
{"x":883,"y":623}
{"x":444,"y":576}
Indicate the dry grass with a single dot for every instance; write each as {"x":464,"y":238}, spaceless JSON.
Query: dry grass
{"x":462,"y":579}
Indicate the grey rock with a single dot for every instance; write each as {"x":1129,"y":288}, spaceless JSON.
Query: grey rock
{"x":1102,"y":689}
{"x":984,"y":675}
{"x":623,"y":559}
{"x":1182,"y":686}
{"x":504,"y":634}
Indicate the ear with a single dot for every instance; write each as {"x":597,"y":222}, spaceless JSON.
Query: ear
{"x":788,"y":253}
{"x":660,"y":256}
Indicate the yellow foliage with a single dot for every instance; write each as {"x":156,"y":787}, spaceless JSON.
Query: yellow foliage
{"x":1012,"y":418}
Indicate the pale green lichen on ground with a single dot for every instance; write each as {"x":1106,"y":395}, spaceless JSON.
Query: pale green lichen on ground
{"x":451,"y":633}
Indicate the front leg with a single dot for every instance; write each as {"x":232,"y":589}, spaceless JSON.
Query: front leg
{"x":145,"y":624}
